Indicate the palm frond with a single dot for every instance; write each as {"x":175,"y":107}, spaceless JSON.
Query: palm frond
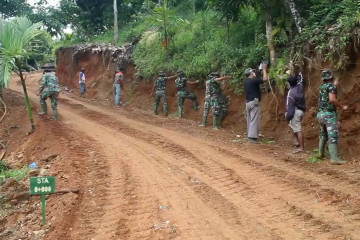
{"x":18,"y":39}
{"x":7,"y":64}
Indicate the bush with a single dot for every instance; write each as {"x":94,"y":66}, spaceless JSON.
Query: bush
{"x":6,"y":172}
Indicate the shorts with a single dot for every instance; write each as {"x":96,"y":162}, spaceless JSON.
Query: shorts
{"x":295,"y":123}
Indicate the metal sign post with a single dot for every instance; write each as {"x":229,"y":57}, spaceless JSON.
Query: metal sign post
{"x":42,"y":186}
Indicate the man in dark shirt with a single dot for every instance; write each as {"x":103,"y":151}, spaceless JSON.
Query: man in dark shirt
{"x":253,"y":98}
{"x":295,"y":110}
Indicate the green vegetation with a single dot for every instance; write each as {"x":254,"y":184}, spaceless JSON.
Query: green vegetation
{"x":314,"y":158}
{"x":17,"y":174}
{"x":200,"y":36}
{"x":20,"y":40}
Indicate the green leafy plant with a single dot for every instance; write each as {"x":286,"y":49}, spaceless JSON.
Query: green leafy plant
{"x":314,"y":158}
{"x":19,"y":39}
{"x":6,"y":172}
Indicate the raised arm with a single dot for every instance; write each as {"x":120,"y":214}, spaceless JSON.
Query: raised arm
{"x":195,"y":82}
{"x":265,"y":74}
{"x":172,"y":77}
{"x":152,"y":91}
{"x":222,"y":78}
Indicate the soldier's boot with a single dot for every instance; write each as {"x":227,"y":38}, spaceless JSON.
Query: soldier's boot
{"x":334,"y":157}
{"x":215,"y":123}
{"x":44,"y":107}
{"x":180,"y":111}
{"x":322,"y":143}
{"x":55,"y":114}
{"x":203,"y":124}
{"x":156,"y":109}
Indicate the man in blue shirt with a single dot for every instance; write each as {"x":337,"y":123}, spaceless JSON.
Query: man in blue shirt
{"x":82,"y":80}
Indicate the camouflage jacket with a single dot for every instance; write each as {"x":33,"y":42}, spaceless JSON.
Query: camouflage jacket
{"x":324,"y":102}
{"x":161,"y":84}
{"x":214,"y":88}
{"x":181,"y":83}
{"x":50,"y":83}
{"x":207,"y":89}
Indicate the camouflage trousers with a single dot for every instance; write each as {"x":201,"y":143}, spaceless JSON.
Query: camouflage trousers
{"x":224,"y":106}
{"x":329,"y":126}
{"x":207,"y":106}
{"x":54,"y":98}
{"x":158,"y":96}
{"x":185,"y":94}
{"x":215,"y":105}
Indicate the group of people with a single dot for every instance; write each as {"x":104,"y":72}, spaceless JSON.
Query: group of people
{"x":326,"y":114}
{"x":214,"y":97}
{"x":295,"y":105}
{"x":218,"y":102}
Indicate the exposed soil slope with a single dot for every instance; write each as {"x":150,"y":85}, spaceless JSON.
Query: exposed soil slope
{"x":136,"y":94}
{"x":166,"y":178}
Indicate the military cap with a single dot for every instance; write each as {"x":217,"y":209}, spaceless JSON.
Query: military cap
{"x":326,"y":74}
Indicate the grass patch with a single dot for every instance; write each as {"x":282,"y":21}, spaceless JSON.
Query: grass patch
{"x":314,"y":158}
{"x":6,"y":172}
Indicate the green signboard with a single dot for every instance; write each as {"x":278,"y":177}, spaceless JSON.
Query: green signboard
{"x":42,"y":186}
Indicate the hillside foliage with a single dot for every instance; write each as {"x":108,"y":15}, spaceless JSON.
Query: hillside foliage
{"x":200,"y":36}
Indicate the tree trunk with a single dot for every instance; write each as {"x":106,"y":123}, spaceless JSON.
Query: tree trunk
{"x":194,"y":7}
{"x":295,"y":13}
{"x":116,"y":28}
{"x":165,"y":26}
{"x":27,"y":101}
{"x":269,"y":38}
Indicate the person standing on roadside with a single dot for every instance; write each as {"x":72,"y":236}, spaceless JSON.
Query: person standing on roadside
{"x":253,"y":98}
{"x":295,"y":111}
{"x":49,"y":89}
{"x":184,"y":93}
{"x":160,"y":85}
{"x":215,"y":96}
{"x":207,"y":102}
{"x":82,"y":80}
{"x":327,"y":117}
{"x":118,"y":84}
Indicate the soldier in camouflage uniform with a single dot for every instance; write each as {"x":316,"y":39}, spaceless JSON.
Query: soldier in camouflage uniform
{"x":49,"y":89}
{"x":224,"y":107}
{"x":184,"y":93}
{"x":215,"y":96}
{"x":327,"y":117}
{"x":160,"y":85}
{"x":207,"y":104}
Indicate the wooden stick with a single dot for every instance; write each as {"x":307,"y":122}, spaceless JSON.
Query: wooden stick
{"x":5,"y":111}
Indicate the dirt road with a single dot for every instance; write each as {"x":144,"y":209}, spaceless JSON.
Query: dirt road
{"x":170,"y":179}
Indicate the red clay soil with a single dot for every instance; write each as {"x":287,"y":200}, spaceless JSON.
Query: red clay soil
{"x":136,"y":94}
{"x":69,"y":156}
{"x":151,"y":177}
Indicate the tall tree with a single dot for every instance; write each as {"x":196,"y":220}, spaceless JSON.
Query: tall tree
{"x":116,"y":28}
{"x":296,"y":15}
{"x":18,"y":38}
